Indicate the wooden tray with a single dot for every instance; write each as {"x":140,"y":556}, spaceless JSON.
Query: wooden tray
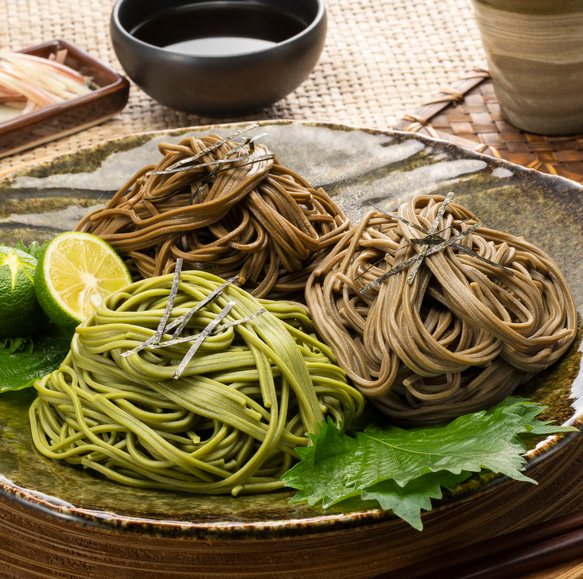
{"x":64,"y":118}
{"x":468,"y":114}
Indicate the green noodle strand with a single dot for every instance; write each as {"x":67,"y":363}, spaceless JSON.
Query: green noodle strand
{"x":228,"y":424}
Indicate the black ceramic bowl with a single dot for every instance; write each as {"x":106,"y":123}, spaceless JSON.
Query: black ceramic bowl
{"x":218,"y":57}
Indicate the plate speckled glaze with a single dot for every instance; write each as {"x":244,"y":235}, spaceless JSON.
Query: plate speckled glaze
{"x":355,"y":166}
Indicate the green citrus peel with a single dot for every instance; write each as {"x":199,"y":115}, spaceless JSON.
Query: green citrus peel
{"x":20,"y":313}
{"x":75,"y":273}
{"x":62,"y":281}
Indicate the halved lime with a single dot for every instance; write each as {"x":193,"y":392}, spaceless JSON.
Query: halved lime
{"x":20,"y":313}
{"x":75,"y":273}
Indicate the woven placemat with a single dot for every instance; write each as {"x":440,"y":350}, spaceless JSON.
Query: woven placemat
{"x":467,"y":113}
{"x":381,"y":59}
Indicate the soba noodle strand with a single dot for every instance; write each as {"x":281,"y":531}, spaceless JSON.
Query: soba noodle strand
{"x":251,"y":217}
{"x":458,"y":337}
{"x":229,"y":423}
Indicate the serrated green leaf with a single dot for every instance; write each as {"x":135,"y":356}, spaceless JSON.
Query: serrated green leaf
{"x":528,"y":411}
{"x":327,"y":463}
{"x":407,"y":502}
{"x":19,"y":369}
{"x":406,"y":468}
{"x":33,"y":249}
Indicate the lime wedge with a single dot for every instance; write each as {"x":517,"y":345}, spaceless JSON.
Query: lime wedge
{"x":75,"y":273}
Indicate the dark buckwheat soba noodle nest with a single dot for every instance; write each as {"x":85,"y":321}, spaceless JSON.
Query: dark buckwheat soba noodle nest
{"x":225,"y":207}
{"x":457,"y":339}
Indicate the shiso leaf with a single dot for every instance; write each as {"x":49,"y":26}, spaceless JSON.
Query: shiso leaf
{"x":404,"y":469}
{"x":39,"y":356}
{"x":33,"y":249}
{"x":407,"y":502}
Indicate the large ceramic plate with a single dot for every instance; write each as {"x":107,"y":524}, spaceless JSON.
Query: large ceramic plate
{"x":357,"y":167}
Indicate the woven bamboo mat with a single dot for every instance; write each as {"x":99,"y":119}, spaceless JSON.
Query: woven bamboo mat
{"x":382,"y":58}
{"x":467,"y":113}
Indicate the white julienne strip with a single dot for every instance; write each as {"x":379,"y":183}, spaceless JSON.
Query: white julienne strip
{"x":33,"y":93}
{"x":42,"y":82}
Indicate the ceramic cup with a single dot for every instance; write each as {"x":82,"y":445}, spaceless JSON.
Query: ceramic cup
{"x":535,"y":57}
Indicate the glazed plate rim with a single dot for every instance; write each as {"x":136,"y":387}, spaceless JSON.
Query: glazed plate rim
{"x":54,"y":507}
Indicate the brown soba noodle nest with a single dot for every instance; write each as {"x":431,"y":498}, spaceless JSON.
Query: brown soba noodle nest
{"x":228,"y":208}
{"x":433,"y":316}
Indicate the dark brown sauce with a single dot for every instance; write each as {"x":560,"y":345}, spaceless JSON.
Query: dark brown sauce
{"x":218,"y":29}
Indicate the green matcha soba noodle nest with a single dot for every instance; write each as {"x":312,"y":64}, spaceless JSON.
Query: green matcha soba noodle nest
{"x":149,"y":403}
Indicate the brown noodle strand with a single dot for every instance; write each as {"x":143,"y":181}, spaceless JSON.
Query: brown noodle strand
{"x":223,"y":207}
{"x":458,"y":337}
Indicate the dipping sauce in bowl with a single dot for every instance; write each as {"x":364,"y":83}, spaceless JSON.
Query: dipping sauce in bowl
{"x":218,"y":57}
{"x":219,"y":28}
